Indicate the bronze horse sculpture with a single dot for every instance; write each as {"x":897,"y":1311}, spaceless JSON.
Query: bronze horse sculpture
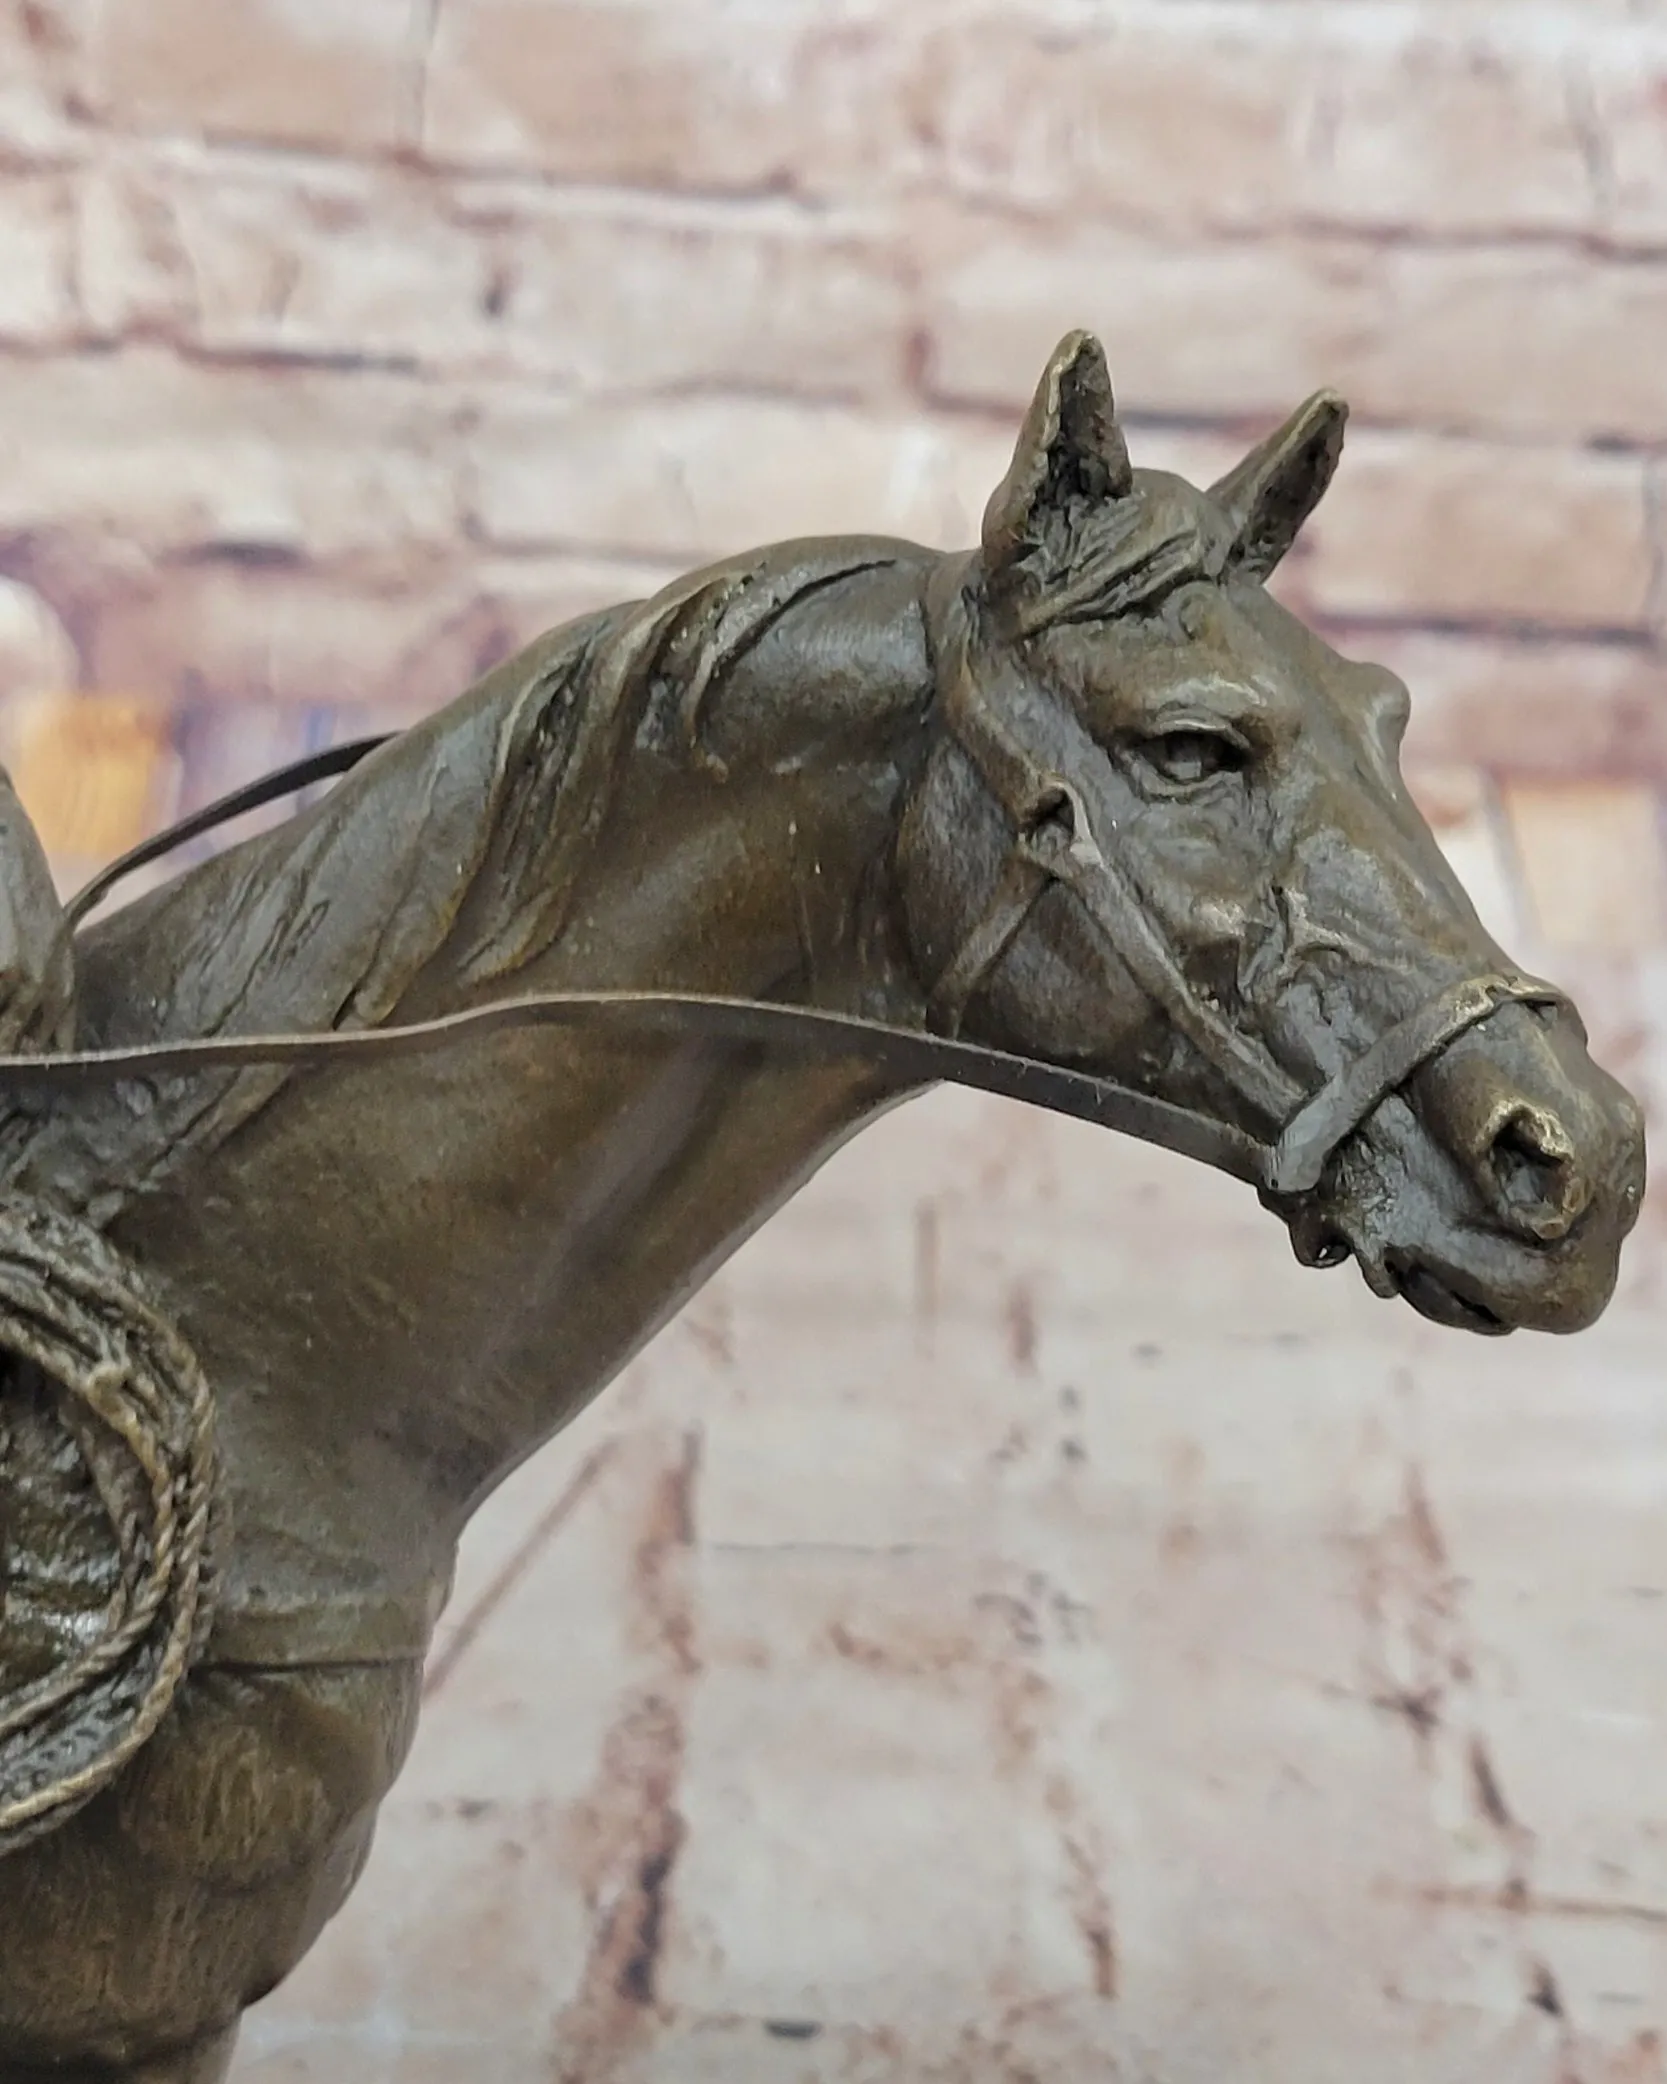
{"x":634,"y":935}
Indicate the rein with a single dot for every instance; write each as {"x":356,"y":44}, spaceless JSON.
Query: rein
{"x":1054,"y":842}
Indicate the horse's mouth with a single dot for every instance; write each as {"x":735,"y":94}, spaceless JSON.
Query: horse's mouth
{"x":1437,"y":1299}
{"x":1321,"y":1242}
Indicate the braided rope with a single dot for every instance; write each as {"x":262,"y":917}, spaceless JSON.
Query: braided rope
{"x":136,"y":1401}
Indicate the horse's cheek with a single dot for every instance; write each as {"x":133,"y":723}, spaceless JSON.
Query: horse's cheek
{"x":950,"y":850}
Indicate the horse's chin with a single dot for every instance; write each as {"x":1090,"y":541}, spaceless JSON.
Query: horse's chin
{"x":1477,"y":1280}
{"x":1442,"y":1301}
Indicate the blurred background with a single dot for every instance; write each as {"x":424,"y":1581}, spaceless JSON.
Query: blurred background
{"x":1085,"y":1644}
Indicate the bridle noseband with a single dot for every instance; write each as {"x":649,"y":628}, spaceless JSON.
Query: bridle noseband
{"x":1054,"y":843}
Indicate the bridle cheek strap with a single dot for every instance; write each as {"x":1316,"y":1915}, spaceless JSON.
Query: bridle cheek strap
{"x":1019,"y":885}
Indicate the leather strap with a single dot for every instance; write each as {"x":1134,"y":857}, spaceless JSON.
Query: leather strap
{"x":283,"y":781}
{"x":1021,"y":882}
{"x":1344,"y":1102}
{"x":1030,"y":785}
{"x":906,"y":1054}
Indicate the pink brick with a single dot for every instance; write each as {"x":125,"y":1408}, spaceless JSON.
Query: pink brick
{"x":244,"y":634}
{"x":698,"y":477}
{"x":526,"y":596}
{"x":1525,"y":340}
{"x":40,"y":57}
{"x":1463,"y":813}
{"x":485,"y":277}
{"x":254,"y":254}
{"x":1590,"y":856}
{"x":650,"y":95}
{"x":1452,"y":798}
{"x":1285,"y":115}
{"x":613,"y":296}
{"x":1149,"y":115}
{"x":37,"y":260}
{"x":1528,"y":708}
{"x":307,"y":72}
{"x":1462,"y":127}
{"x":875,"y":1683}
{"x":1556,"y":20}
{"x":1224,"y":328}
{"x":1199,"y":455}
{"x":1421,"y":527}
{"x":1627,"y":100}
{"x":237,"y":634}
{"x":151,"y":454}
{"x":1288,"y":113}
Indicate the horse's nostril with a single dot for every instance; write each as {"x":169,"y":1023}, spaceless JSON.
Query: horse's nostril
{"x":1532,"y":1175}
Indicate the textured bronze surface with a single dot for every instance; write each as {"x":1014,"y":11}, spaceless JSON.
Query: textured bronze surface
{"x":404,"y":1125}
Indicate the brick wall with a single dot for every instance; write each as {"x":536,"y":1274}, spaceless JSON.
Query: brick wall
{"x":344,"y":347}
{"x":344,"y":344}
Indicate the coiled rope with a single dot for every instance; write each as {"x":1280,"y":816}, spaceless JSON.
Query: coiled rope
{"x":133,"y":1396}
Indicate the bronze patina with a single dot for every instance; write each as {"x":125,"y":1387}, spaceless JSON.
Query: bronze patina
{"x":342,"y":1171}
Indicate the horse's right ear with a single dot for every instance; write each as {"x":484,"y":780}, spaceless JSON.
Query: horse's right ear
{"x":1071,"y":454}
{"x":1273,"y":491}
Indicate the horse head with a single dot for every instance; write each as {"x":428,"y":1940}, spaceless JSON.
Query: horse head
{"x":1162,"y":836}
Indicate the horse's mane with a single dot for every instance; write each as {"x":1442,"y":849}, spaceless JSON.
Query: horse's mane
{"x":439,"y":867}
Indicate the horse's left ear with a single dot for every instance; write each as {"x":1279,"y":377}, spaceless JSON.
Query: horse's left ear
{"x":1070,"y":454}
{"x":1279,"y":484}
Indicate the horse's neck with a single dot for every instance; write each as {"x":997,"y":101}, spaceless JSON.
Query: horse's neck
{"x":749,"y":851}
{"x":442,"y":1260}
{"x":637,"y":1176}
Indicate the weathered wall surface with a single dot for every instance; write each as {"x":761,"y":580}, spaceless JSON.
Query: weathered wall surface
{"x":344,"y":347}
{"x":1278,"y":1695}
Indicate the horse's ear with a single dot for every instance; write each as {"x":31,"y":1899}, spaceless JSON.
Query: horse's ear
{"x":1071,"y":453}
{"x":1279,"y":484}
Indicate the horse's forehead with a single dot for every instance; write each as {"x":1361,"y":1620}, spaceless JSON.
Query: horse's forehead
{"x":1231,"y":644}
{"x":1167,"y":498}
{"x":1168,"y":509}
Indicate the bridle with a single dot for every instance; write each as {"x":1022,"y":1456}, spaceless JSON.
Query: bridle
{"x":1054,"y":843}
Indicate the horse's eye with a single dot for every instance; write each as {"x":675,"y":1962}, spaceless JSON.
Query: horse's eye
{"x":1185,"y":758}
